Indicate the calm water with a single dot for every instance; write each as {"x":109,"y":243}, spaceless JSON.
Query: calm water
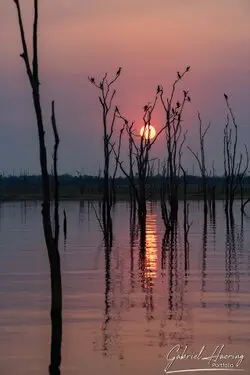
{"x":122,"y":315}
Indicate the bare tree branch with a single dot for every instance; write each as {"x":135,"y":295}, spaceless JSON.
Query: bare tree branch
{"x":56,"y":187}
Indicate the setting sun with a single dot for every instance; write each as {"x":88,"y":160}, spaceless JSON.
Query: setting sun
{"x":148,"y":132}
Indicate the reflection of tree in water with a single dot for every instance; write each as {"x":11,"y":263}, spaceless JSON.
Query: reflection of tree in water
{"x":232,"y":280}
{"x":133,"y":238}
{"x":23,"y":212}
{"x":81,"y":211}
{"x":204,"y":261}
{"x":115,"y":299}
{"x":107,"y":303}
{"x":111,"y":327}
{"x":213,"y":227}
{"x":244,"y":219}
{"x":175,"y":263}
{"x":175,"y":277}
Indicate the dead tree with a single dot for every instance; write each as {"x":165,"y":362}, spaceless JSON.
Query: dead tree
{"x":132,"y":195}
{"x":211,"y":191}
{"x":140,"y":147}
{"x":201,"y":162}
{"x":163,"y":192}
{"x":64,"y":225}
{"x":174,"y":113}
{"x":51,"y":237}
{"x":232,"y":165}
{"x":109,"y":115}
{"x":166,"y":214}
{"x":241,"y":183}
{"x":186,"y":223}
{"x":113,"y":188}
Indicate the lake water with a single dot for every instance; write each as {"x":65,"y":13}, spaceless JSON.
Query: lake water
{"x":120,"y":316}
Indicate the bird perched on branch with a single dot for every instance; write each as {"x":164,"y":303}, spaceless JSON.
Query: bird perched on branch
{"x":225,"y":96}
{"x":159,"y":89}
{"x":119,"y":71}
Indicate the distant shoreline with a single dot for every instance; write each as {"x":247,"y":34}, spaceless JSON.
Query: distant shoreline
{"x":86,"y":188}
{"x":98,"y":197}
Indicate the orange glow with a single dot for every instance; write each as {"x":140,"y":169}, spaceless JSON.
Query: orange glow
{"x":148,"y":132}
{"x":151,"y":245}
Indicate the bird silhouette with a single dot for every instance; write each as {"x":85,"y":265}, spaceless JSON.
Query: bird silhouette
{"x":179,"y":75}
{"x":159,"y":89}
{"x":187,"y":69}
{"x":226,"y":97}
{"x":119,"y":71}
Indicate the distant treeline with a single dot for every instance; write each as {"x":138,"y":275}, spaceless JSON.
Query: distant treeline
{"x":88,"y":180}
{"x":88,"y":187}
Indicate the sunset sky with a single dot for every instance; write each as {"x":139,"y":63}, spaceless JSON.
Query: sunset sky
{"x":151,"y":40}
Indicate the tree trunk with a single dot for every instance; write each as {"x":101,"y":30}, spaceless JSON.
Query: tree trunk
{"x":51,"y":239}
{"x":56,"y":311}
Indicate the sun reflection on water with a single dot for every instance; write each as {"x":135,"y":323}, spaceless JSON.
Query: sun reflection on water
{"x":151,"y":246}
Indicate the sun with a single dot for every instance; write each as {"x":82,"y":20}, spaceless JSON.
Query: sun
{"x":148,"y":132}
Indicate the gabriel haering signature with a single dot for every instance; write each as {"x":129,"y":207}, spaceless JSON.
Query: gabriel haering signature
{"x":215,"y":360}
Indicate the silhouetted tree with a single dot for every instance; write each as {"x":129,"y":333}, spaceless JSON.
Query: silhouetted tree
{"x":211,"y":190}
{"x":140,"y":167}
{"x":232,"y":165}
{"x":109,"y":116}
{"x":132,"y":194}
{"x":173,"y":112}
{"x":51,"y":237}
{"x":241,"y":183}
{"x":186,"y":223}
{"x":201,"y":162}
{"x":163,"y":198}
{"x":64,"y":225}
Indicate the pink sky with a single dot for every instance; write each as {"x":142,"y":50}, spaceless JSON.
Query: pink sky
{"x":151,"y":40}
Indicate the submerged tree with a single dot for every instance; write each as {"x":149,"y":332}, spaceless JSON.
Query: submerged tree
{"x":233,"y":170}
{"x":51,"y":236}
{"x":109,"y":116}
{"x":202,"y":163}
{"x":174,"y":117}
{"x":186,"y":224}
{"x":211,"y":191}
{"x":140,"y":146}
{"x":241,"y":183}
